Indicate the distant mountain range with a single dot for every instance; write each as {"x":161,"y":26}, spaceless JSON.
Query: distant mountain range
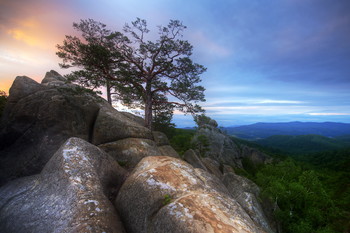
{"x":304,"y":144}
{"x":264,"y":130}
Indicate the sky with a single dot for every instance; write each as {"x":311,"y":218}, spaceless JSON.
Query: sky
{"x":267,"y":61}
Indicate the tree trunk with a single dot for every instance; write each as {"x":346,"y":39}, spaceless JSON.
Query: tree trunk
{"x":109,"y":95}
{"x":148,"y":106}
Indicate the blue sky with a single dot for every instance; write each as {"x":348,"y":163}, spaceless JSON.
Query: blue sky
{"x":268,"y":61}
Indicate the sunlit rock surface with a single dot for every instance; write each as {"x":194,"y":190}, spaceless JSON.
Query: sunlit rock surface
{"x":165,"y":194}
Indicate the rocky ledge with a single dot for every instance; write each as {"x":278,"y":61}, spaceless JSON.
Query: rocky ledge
{"x":69,"y":162}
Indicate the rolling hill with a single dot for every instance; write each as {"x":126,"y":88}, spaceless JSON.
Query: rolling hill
{"x":264,"y":130}
{"x":303,"y":144}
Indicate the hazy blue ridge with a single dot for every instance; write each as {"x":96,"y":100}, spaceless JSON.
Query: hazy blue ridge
{"x":264,"y":130}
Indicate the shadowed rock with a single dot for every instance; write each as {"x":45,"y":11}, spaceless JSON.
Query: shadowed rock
{"x":212,"y":166}
{"x":167,"y":150}
{"x":70,"y":194}
{"x":110,"y":126}
{"x":40,"y":117}
{"x":191,"y":157}
{"x":255,"y":156}
{"x":160,"y":138}
{"x":130,"y":151}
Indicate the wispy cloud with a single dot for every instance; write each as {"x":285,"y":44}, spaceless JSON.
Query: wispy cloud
{"x":249,"y":101}
{"x":210,"y":47}
{"x":328,"y":114}
{"x":267,"y":101}
{"x":258,"y":110}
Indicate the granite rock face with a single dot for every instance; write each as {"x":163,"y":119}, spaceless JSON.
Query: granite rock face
{"x":221,"y":147}
{"x":69,"y":195}
{"x":191,"y":157}
{"x":130,"y":151}
{"x":165,"y":194}
{"x":224,"y":150}
{"x":40,"y":117}
{"x":168,"y":150}
{"x":255,"y":156}
{"x":111,"y":125}
{"x":65,"y":143}
{"x":160,"y":138}
{"x":246,"y":193}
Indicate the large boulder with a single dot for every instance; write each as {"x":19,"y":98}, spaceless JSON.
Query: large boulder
{"x":40,"y":117}
{"x":164,"y":194}
{"x":255,"y":156}
{"x":110,"y":126}
{"x":36,"y":123}
{"x":221,"y":147}
{"x":212,"y":166}
{"x":22,"y":87}
{"x":139,"y":120}
{"x":191,"y":157}
{"x":53,"y":78}
{"x":168,"y":150}
{"x":71,"y":194}
{"x":160,"y":138}
{"x":246,"y":193}
{"x":131,"y":151}
{"x":224,"y":150}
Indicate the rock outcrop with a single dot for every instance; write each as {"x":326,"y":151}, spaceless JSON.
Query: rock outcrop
{"x":224,"y":150}
{"x":165,"y":194}
{"x":69,"y":195}
{"x":130,"y":151}
{"x":241,"y":189}
{"x":71,"y":150}
{"x":221,"y":147}
{"x":40,"y":117}
{"x":246,"y":193}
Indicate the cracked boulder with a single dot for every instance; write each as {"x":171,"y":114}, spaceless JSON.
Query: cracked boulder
{"x":165,"y":194}
{"x":71,"y":194}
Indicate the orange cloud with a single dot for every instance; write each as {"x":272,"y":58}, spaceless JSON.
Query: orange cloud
{"x":28,"y":31}
{"x":21,"y":35}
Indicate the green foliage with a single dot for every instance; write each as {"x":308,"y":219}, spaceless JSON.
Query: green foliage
{"x":162,"y":116}
{"x":94,"y":53}
{"x":201,"y":145}
{"x":316,"y":187}
{"x":141,"y":72}
{"x":122,"y":163}
{"x":302,"y":144}
{"x":3,"y":100}
{"x":167,"y":199}
{"x":338,"y":160}
{"x":272,"y":152}
{"x":181,"y":141}
{"x":201,"y":119}
{"x":162,"y":67}
{"x":304,"y":205}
